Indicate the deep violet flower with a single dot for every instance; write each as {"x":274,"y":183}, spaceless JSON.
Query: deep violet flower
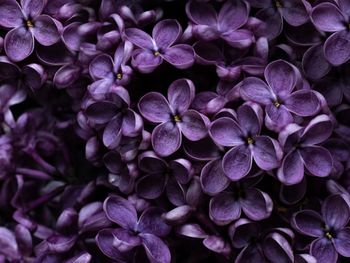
{"x":146,"y":230}
{"x":329,"y":228}
{"x":243,"y":136}
{"x":329,"y":17}
{"x":278,"y":97}
{"x":152,"y":50}
{"x":208,"y":25}
{"x":302,"y":150}
{"x":174,"y":116}
{"x":106,"y":70}
{"x":157,"y":171}
{"x":27,"y":22}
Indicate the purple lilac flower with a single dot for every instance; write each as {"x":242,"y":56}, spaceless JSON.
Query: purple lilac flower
{"x":153,"y":50}
{"x":329,"y":229}
{"x":278,"y":97}
{"x":302,"y":150}
{"x":146,"y":230}
{"x":329,"y":17}
{"x":243,"y":136}
{"x":174,"y":116}
{"x":26,"y":22}
{"x":208,"y":25}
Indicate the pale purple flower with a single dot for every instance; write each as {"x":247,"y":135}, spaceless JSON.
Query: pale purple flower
{"x":27,"y":22}
{"x":134,"y":231}
{"x":153,"y":50}
{"x":329,"y":17}
{"x":208,"y":25}
{"x":278,"y":97}
{"x":173,"y":116}
{"x":246,"y":143}
{"x":302,"y":150}
{"x":328,"y":228}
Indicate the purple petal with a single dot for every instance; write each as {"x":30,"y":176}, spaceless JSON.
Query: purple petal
{"x":151,"y":186}
{"x":35,"y":75}
{"x":180,"y":56}
{"x":250,"y":118}
{"x":317,"y":160}
{"x":157,"y":251}
{"x":132,"y":124}
{"x":112,"y":134}
{"x":166,"y":139}
{"x":120,"y":211}
{"x":323,"y":250}
{"x":66,"y":76}
{"x":314,"y":63}
{"x":178,"y":215}
{"x":237,"y":162}
{"x":337,"y":48}
{"x":213,"y":179}
{"x":217,"y":244}
{"x":277,"y":118}
{"x":151,"y":222}
{"x":292,"y":170}
{"x":243,"y":231}
{"x":224,"y":208}
{"x":208,"y":53}
{"x":294,"y":12}
{"x":8,"y":243}
{"x":191,"y":230}
{"x":101,"y":67}
{"x":45,"y":31}
{"x":205,"y":33}
{"x":10,"y":14}
{"x":344,"y":6}
{"x":251,"y":253}
{"x":104,"y":240}
{"x":308,"y":222}
{"x":145,"y":61}
{"x":154,"y":107}
{"x":201,"y":13}
{"x":303,"y":103}
{"x":277,"y":249}
{"x":336,"y":211}
{"x":70,"y":36}
{"x":267,"y":153}
{"x":182,"y":170}
{"x":180,"y":95}
{"x":318,"y":130}
{"x":226,"y":132}
{"x":292,"y":194}
{"x":281,"y":76}
{"x":272,"y":23}
{"x":342,"y":242}
{"x":257,"y":205}
{"x":19,"y":43}
{"x":194,"y":125}
{"x":256,"y":90}
{"x":327,"y":17}
{"x":101,"y":112}
{"x":166,"y":32}
{"x":175,"y":192}
{"x":33,"y":8}
{"x":241,"y":38}
{"x":233,"y":15}
{"x":139,"y":38}
{"x":149,"y":162}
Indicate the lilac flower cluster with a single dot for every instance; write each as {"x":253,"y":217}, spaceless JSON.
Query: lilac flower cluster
{"x":174,"y":131}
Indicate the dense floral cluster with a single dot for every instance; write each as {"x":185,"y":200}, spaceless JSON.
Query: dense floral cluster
{"x":174,"y":131}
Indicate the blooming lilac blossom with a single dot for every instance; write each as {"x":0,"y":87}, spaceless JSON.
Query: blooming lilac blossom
{"x":27,"y":22}
{"x":244,"y":157}
{"x":153,"y":50}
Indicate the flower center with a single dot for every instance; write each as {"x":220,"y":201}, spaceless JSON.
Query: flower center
{"x":29,"y":24}
{"x":278,"y":3}
{"x":277,"y":104}
{"x":250,"y":140}
{"x":328,"y":235}
{"x":156,"y":53}
{"x":119,"y":76}
{"x":177,"y":118}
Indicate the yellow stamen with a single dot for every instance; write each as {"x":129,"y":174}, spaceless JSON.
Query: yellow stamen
{"x":328,"y":235}
{"x":29,"y":23}
{"x":277,"y":104}
{"x":278,"y":3}
{"x":177,"y":118}
{"x":250,"y":140}
{"x":119,"y":76}
{"x":156,"y":53}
